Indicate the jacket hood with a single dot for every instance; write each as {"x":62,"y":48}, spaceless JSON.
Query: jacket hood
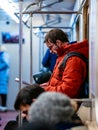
{"x":81,"y":47}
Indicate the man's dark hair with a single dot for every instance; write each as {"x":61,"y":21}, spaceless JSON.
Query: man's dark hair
{"x":26,"y":95}
{"x":56,"y":34}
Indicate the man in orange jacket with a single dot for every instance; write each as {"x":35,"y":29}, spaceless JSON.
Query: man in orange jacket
{"x":70,"y":80}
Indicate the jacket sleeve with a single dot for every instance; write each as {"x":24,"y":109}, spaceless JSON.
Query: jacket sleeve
{"x":4,"y":62}
{"x":72,"y":78}
{"x":45,"y":61}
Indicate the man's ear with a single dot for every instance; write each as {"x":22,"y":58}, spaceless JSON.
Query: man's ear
{"x":33,"y":100}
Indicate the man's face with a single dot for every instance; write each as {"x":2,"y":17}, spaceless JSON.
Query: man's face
{"x":53,"y":47}
{"x":24,"y":110}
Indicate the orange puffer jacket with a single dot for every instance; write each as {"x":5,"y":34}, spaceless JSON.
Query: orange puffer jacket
{"x":71,"y":79}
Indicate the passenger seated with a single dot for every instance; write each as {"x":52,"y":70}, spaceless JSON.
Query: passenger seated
{"x":49,"y":60}
{"x":25,"y":97}
{"x":70,"y":79}
{"x":48,"y":63}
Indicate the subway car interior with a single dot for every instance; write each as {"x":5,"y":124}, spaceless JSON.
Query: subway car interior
{"x":23,"y":26}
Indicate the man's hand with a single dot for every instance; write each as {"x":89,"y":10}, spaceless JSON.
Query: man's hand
{"x":44,"y":85}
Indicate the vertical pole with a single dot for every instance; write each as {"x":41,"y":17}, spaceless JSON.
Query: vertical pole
{"x":96,"y":61}
{"x":31,"y":70}
{"x":41,"y":48}
{"x":39,"y":34}
{"x":20,"y":53}
{"x":93,"y":54}
{"x":42,"y":44}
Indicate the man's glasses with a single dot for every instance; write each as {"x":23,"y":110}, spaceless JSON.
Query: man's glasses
{"x":50,"y":44}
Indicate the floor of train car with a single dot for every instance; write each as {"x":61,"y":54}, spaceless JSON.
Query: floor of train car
{"x":7,"y":116}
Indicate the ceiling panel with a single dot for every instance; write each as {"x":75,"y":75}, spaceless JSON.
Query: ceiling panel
{"x":42,"y":5}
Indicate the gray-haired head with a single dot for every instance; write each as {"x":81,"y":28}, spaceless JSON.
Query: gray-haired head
{"x":51,"y":107}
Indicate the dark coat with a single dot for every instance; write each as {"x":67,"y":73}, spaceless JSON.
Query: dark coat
{"x":49,"y":60}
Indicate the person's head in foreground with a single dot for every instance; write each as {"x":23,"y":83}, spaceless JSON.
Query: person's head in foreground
{"x":52,"y":108}
{"x":26,"y":97}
